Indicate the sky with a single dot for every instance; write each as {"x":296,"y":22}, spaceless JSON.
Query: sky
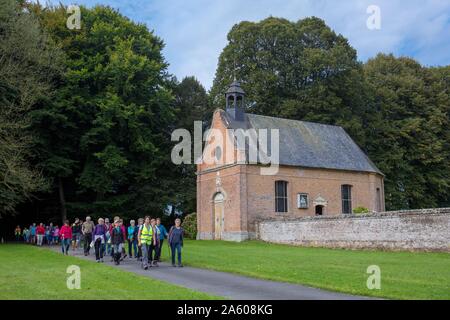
{"x":195,"y":31}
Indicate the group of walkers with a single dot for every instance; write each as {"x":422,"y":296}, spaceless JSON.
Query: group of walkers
{"x":144,"y":239}
{"x":38,"y":234}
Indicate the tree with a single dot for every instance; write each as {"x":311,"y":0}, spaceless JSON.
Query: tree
{"x":105,"y":139}
{"x":29,"y":64}
{"x":298,"y":70}
{"x":408,"y":135}
{"x":191,"y":104}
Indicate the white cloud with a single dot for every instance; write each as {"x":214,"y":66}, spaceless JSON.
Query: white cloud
{"x":195,"y":31}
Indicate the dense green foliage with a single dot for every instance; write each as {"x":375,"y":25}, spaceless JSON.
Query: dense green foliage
{"x":42,"y":276}
{"x":408,"y":130}
{"x":395,"y":109}
{"x":191,"y":104}
{"x":404,"y":275}
{"x":190,"y":226}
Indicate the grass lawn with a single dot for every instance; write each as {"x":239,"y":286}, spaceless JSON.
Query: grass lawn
{"x":28,"y":272}
{"x":404,"y":275}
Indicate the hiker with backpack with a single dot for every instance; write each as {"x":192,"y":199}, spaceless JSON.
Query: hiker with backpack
{"x":117,"y":241}
{"x":124,"y":234}
{"x":176,"y":235}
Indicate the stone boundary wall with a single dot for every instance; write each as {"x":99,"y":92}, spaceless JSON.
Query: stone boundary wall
{"x":422,"y":230}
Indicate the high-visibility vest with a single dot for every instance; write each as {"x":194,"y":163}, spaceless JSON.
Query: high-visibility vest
{"x":146,"y":234}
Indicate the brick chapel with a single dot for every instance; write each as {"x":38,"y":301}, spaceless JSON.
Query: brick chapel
{"x":322,"y":171}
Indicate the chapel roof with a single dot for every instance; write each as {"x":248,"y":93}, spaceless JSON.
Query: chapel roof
{"x":308,"y":144}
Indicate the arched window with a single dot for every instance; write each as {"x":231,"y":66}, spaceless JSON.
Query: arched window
{"x":239,"y":101}
{"x":281,"y":199}
{"x":346,"y":194}
{"x":231,"y":99}
{"x":218,"y":197}
{"x":378,"y":200}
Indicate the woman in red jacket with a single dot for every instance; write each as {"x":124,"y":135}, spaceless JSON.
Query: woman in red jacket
{"x":66,"y":236}
{"x":40,"y":231}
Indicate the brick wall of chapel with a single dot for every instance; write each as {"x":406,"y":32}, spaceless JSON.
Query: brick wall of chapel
{"x":314,"y":182}
{"x":233,"y":187}
{"x":250,"y":196}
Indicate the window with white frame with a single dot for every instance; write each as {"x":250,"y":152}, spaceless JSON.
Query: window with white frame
{"x":302,"y":201}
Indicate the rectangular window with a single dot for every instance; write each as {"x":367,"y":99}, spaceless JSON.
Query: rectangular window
{"x":346,"y":192}
{"x":302,"y":201}
{"x":281,"y":200}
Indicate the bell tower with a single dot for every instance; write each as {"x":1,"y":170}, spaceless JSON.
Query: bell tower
{"x":235,"y":101}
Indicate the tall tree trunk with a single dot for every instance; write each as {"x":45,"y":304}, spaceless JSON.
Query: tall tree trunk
{"x":62,"y":200}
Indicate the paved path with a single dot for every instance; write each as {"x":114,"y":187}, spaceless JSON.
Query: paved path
{"x":224,"y":284}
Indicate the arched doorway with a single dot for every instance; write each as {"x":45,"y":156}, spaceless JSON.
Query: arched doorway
{"x":218,"y":215}
{"x":319,"y":210}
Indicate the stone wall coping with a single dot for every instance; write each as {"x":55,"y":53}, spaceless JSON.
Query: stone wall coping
{"x":387,"y":214}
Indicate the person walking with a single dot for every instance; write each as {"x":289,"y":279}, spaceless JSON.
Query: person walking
{"x":66,"y":236}
{"x":87,"y":229}
{"x":76,"y":234}
{"x":117,"y":241}
{"x":107,"y":246}
{"x":26,"y":235}
{"x":138,"y":228}
{"x":99,"y":239}
{"x":162,"y":235}
{"x":81,"y":245}
{"x":40,"y":232}
{"x":50,"y":239}
{"x":176,"y":234}
{"x":49,"y":234}
{"x":33,"y":233}
{"x":124,"y":233}
{"x":18,"y":233}
{"x":155,"y":243}
{"x":146,"y":238}
{"x":56,"y":234}
{"x":132,"y":241}
{"x":112,"y":226}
